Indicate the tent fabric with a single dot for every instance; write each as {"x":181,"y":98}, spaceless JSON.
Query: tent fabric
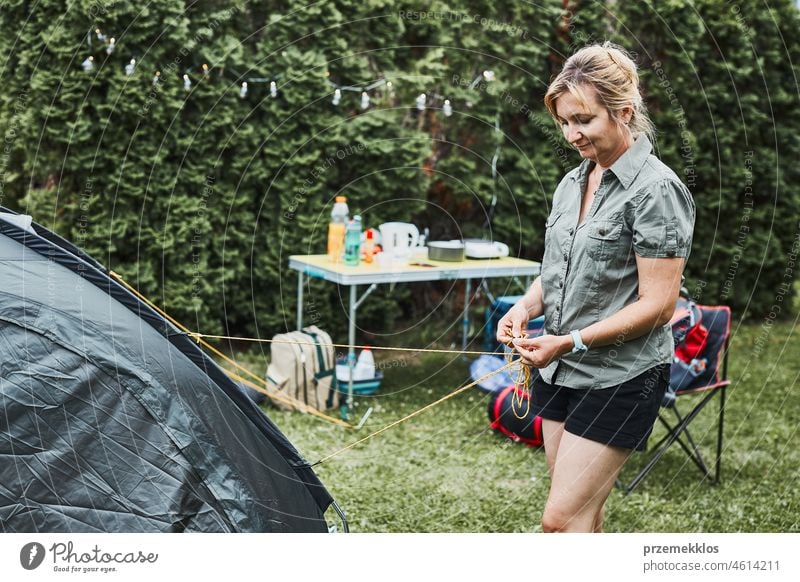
{"x":114,"y":420}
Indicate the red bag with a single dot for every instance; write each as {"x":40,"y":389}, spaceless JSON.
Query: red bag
{"x":502,"y":417}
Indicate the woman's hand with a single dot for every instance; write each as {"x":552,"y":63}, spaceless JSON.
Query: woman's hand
{"x":540,"y":351}
{"x":513,"y":324}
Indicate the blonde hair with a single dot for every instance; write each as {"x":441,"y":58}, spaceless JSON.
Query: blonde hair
{"x":612,"y":73}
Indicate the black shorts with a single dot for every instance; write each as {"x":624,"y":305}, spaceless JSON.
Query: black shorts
{"x":621,"y":415}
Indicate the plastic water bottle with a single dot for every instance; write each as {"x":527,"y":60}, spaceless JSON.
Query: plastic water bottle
{"x":365,"y":366}
{"x":352,"y":242}
{"x":336,"y":229}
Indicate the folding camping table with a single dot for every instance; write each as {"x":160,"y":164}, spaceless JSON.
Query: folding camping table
{"x":373,"y":274}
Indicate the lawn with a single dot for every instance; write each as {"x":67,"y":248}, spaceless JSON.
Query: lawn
{"x":447,"y":471}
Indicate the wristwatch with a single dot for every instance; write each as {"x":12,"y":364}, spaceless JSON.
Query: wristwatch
{"x":579,"y":347}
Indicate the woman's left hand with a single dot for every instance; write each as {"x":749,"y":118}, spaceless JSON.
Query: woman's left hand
{"x":540,"y":351}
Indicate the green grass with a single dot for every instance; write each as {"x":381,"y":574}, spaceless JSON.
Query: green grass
{"x":447,"y":471}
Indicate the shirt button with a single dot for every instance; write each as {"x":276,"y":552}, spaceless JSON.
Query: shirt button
{"x":560,"y":284}
{"x":571,"y":231}
{"x":566,"y":256}
{"x":602,"y":231}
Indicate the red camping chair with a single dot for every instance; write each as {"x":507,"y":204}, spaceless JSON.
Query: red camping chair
{"x":700,"y":370}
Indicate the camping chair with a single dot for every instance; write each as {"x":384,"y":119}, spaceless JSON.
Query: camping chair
{"x":705,"y":375}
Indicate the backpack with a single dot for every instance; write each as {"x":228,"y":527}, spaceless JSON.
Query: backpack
{"x":301,"y":369}
{"x":689,"y":336}
{"x":502,"y":417}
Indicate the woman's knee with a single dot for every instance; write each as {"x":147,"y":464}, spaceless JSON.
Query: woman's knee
{"x":554,"y":520}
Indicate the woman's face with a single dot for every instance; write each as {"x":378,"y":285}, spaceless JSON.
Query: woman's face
{"x":590,"y":129}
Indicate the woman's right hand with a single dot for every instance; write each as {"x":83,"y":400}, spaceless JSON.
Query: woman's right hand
{"x":513,"y":324}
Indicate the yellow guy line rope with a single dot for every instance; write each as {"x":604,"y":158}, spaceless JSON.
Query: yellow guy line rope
{"x":236,"y":364}
{"x":355,"y":346}
{"x":415,"y":413}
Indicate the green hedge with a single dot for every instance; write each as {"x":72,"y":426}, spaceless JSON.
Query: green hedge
{"x":198,"y":197}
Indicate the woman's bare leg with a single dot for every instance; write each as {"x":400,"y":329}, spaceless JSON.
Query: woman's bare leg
{"x":583,"y":475}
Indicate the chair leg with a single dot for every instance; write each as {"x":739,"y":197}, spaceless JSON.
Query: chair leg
{"x":719,"y":434}
{"x":673,"y":435}
{"x":694,"y":453}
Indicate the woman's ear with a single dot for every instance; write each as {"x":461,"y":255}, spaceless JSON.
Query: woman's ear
{"x":626,"y":114}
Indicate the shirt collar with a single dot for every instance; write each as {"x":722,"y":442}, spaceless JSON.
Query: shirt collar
{"x":627,"y":166}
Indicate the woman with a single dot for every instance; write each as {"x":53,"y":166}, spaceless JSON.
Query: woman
{"x":616,"y":242}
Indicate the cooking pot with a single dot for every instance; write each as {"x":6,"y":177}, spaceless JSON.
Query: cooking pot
{"x":446,"y":250}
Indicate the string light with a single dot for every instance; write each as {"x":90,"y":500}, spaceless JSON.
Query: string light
{"x":447,"y":108}
{"x":422,"y":101}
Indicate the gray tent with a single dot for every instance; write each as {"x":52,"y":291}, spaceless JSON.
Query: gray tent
{"x":114,"y":420}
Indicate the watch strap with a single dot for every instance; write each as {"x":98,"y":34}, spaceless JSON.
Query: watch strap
{"x":579,"y":346}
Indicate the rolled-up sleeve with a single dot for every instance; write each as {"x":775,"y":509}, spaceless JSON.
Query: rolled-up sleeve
{"x":664,"y":220}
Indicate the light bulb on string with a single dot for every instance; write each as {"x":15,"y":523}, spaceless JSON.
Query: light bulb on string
{"x":421,"y":101}
{"x":488,"y":75}
{"x":273,"y":89}
{"x":88,"y":64}
{"x":130,"y":67}
{"x":390,"y":88}
{"x":100,"y":36}
{"x":187,"y":83}
{"x":447,"y":108}
{"x":364,"y":100}
{"x":337,"y":97}
{"x":156,"y":78}
{"x":205,"y":70}
{"x":243,"y":90}
{"x":111,"y":45}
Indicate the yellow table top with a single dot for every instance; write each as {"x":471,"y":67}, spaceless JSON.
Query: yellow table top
{"x":414,"y":270}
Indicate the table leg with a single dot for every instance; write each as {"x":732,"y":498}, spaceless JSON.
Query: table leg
{"x":465,"y":320}
{"x":351,"y":349}
{"x":300,"y":283}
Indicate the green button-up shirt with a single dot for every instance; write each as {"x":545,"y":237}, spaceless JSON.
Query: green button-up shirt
{"x":589,"y":270}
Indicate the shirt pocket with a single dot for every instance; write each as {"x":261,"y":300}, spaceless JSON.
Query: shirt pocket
{"x":603,"y":239}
